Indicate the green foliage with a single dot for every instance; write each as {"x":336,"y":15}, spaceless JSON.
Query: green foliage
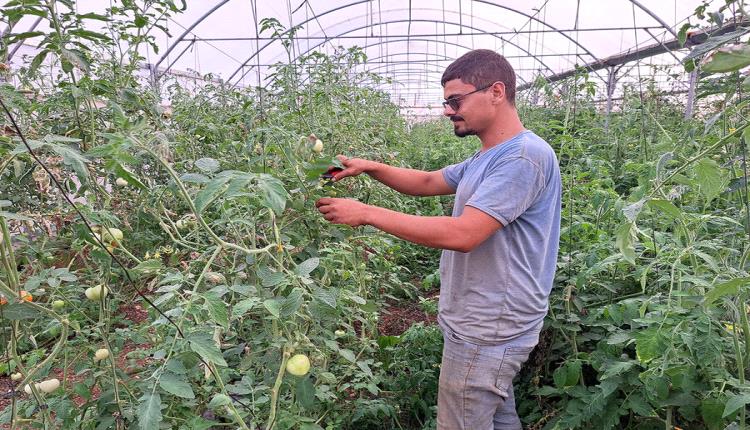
{"x":648,"y":319}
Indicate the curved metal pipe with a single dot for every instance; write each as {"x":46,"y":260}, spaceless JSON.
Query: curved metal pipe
{"x":383,"y":42}
{"x":315,"y":17}
{"x":185,"y":33}
{"x":655,"y":16}
{"x":413,"y":20}
{"x":363,"y":1}
{"x":531,"y":17}
{"x":434,"y":70}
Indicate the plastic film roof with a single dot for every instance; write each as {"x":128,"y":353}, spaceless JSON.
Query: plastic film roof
{"x":412,"y":41}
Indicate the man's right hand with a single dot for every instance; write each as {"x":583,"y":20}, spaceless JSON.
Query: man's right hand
{"x":352,"y":167}
{"x":406,"y":181}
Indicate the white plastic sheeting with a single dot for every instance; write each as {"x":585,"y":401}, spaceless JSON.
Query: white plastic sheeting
{"x":412,"y":41}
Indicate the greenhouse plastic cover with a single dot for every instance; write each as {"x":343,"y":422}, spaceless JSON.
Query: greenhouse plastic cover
{"x":413,"y":41}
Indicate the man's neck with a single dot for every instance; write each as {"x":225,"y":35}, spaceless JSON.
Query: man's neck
{"x":502,"y":131}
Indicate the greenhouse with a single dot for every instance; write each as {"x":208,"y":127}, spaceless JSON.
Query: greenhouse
{"x":370,"y":214}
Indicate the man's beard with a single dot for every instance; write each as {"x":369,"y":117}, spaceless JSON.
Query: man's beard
{"x":461,"y":133}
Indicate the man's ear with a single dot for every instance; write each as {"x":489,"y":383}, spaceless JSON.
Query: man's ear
{"x":498,"y":91}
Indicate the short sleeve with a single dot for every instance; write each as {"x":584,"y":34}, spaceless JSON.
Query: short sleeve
{"x":510,"y":188}
{"x":453,"y":173}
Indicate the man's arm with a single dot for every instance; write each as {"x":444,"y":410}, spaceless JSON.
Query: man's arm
{"x":406,"y":181}
{"x":463,"y":233}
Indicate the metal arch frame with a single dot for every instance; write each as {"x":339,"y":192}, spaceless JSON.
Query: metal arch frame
{"x":525,"y":82}
{"x":183,"y":35}
{"x":365,"y":1}
{"x":316,"y":16}
{"x":655,"y":17}
{"x":374,"y":69}
{"x":421,"y":53}
{"x":401,"y":21}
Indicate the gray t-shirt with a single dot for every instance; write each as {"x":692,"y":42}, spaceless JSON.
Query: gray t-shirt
{"x":499,"y":291}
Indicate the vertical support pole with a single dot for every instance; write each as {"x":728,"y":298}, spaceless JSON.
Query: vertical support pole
{"x":611,"y":82}
{"x":691,"y":93}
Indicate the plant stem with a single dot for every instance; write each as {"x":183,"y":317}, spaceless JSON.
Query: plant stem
{"x":276,"y":387}
{"x":220,"y":242}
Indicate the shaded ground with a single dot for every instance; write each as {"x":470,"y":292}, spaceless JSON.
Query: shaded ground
{"x":398,"y":316}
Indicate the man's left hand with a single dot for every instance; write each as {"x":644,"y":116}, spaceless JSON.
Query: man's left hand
{"x":343,"y":211}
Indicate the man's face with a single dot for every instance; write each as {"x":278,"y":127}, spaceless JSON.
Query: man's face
{"x":467,"y":116}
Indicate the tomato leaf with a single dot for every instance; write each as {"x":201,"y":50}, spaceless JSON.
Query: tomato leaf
{"x":18,"y":311}
{"x":711,"y":178}
{"x":219,"y":400}
{"x":666,"y":207}
{"x":176,"y":385}
{"x":273,"y":306}
{"x":307,"y":266}
{"x":725,"y":289}
{"x":211,"y":192}
{"x":348,"y":354}
{"x":202,"y":343}
{"x":305,"y":391}
{"x":149,"y":411}
{"x":273,"y":193}
{"x":727,"y":59}
{"x":648,"y":345}
{"x":291,"y":303}
{"x":207,"y":165}
{"x":734,"y":403}
{"x":624,"y":241}
{"x":218,"y":310}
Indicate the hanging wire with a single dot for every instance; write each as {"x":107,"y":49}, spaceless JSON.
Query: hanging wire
{"x":640,"y":89}
{"x":571,"y":184}
{"x":228,"y":55}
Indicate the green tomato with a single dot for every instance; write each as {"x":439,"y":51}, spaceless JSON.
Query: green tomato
{"x":101,"y":354}
{"x":318,"y":146}
{"x":58,"y":304}
{"x":95,"y":293}
{"x":298,"y":365}
{"x":109,"y":234}
{"x":49,"y":385}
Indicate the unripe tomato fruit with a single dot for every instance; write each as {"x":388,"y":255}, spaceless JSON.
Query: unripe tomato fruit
{"x":49,"y":385}
{"x":121,"y":182}
{"x":16,"y":377}
{"x":318,"y":146}
{"x":109,"y":234}
{"x":298,"y":365}
{"x":58,"y":304}
{"x":95,"y":293}
{"x":339,"y":333}
{"x":101,"y":354}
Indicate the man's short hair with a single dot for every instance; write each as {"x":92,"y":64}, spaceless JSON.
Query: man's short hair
{"x":483,"y":67}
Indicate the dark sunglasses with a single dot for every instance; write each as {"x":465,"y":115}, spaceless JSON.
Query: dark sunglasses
{"x":455,"y":102}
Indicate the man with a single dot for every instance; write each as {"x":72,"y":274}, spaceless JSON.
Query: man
{"x":499,"y":246}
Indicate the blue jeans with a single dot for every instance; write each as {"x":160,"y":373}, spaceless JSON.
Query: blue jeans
{"x":476,"y":383}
